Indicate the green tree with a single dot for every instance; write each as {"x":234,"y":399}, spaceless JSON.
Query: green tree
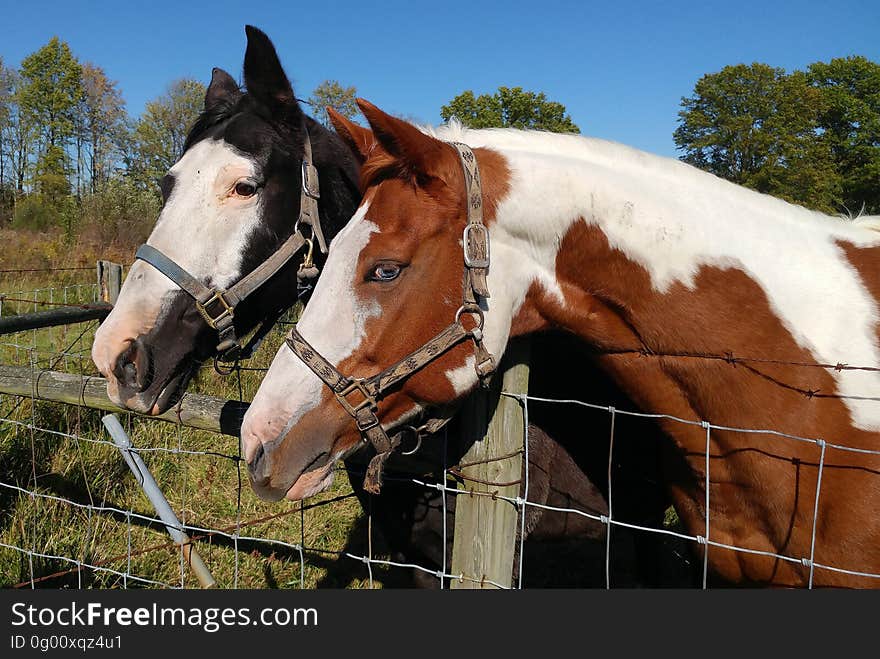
{"x":102,"y":123}
{"x":6,"y":114}
{"x":7,"y":117}
{"x":758,"y":126}
{"x":160,"y":133}
{"x":509,"y":107}
{"x":50,"y":90}
{"x":332,"y":93}
{"x":850,"y":119}
{"x":19,"y":136}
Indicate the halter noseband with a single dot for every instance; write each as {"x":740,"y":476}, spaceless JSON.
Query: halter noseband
{"x":359,"y":396}
{"x":217,"y":306}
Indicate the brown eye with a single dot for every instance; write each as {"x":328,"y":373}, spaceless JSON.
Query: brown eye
{"x":245,"y":189}
{"x":385,"y":272}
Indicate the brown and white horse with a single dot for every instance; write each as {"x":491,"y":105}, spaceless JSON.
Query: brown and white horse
{"x":231,"y":200}
{"x":703,"y":300}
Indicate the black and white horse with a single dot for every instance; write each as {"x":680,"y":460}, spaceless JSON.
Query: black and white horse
{"x":230,"y":201}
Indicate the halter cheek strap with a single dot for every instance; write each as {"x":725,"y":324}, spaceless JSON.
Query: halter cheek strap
{"x":217,"y":306}
{"x":360,"y":397}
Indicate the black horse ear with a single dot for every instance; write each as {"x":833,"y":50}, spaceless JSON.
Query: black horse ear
{"x":223,"y":90}
{"x":263,"y":75}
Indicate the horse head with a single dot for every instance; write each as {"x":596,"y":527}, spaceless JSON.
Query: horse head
{"x":231,"y":202}
{"x":391,"y":284}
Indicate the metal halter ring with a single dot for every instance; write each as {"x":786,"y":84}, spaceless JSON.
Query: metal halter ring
{"x":224,"y":371}
{"x":418,"y":435}
{"x":472,"y":309}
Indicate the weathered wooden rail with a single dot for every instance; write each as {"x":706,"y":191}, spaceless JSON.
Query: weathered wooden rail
{"x":66,"y":315}
{"x":193,"y":411}
{"x":109,"y":283}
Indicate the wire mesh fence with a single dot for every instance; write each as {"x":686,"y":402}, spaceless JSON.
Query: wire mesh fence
{"x":72,"y":516}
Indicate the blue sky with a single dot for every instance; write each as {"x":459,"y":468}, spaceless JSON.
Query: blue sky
{"x":619,"y":67}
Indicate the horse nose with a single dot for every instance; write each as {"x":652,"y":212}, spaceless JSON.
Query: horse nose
{"x":134,"y":366}
{"x":255,"y":454}
{"x":257,"y":466}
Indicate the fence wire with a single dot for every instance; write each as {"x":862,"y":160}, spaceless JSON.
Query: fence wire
{"x":71,"y":515}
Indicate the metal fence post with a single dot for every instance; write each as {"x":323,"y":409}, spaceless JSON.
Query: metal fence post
{"x":109,"y":280}
{"x":486,"y":527}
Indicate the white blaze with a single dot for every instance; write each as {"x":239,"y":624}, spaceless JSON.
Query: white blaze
{"x":333,"y":323}
{"x":200,"y":227}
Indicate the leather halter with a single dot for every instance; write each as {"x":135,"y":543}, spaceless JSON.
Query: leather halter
{"x":359,"y":396}
{"x":217,"y":306}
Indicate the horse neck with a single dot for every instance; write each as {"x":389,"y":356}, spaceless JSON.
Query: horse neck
{"x":665,"y":289}
{"x":707,"y":302}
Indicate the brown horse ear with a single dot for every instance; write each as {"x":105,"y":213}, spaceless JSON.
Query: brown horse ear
{"x":417,"y":152}
{"x":359,"y":139}
{"x":223,"y":90}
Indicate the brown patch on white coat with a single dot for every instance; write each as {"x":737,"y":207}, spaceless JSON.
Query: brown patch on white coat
{"x":619,"y":300}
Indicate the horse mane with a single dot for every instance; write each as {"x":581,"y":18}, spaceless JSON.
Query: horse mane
{"x":209,"y":118}
{"x":614,"y":155}
{"x":379,"y":166}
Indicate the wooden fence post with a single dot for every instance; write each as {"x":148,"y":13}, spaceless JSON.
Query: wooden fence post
{"x":485,"y":527}
{"x":109,"y":280}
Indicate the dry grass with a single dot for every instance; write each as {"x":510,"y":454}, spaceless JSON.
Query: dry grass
{"x":206,"y":491}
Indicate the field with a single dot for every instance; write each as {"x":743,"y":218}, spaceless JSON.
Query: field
{"x":206,"y":491}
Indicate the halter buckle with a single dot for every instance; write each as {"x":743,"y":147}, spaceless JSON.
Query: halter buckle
{"x":308,"y":260}
{"x":310,"y":180}
{"x":476,"y":246}
{"x":369,"y":402}
{"x":216,"y":298}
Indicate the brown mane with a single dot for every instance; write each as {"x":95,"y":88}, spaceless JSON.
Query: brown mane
{"x":379,"y":167}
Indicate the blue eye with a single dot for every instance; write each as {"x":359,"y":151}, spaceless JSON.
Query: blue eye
{"x":385,"y":272}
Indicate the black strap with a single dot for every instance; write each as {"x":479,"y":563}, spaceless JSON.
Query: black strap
{"x":174,"y":272}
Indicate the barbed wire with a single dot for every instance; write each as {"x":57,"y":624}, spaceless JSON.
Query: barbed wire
{"x":68,"y":269}
{"x":44,"y":303}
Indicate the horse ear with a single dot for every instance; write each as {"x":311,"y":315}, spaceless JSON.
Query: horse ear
{"x":417,"y":152}
{"x":359,"y":139}
{"x":263,"y":75}
{"x":223,"y":90}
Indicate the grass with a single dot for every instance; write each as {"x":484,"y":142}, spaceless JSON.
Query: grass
{"x":55,"y":455}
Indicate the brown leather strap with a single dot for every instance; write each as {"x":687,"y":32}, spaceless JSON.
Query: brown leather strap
{"x":311,"y":192}
{"x":315,"y":361}
{"x":476,"y":235}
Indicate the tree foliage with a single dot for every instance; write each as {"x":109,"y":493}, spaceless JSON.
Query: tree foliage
{"x":509,"y":107}
{"x":103,"y":123}
{"x":50,"y":90}
{"x":849,"y":115}
{"x":811,"y":137}
{"x":161,"y":132}
{"x":332,"y":93}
